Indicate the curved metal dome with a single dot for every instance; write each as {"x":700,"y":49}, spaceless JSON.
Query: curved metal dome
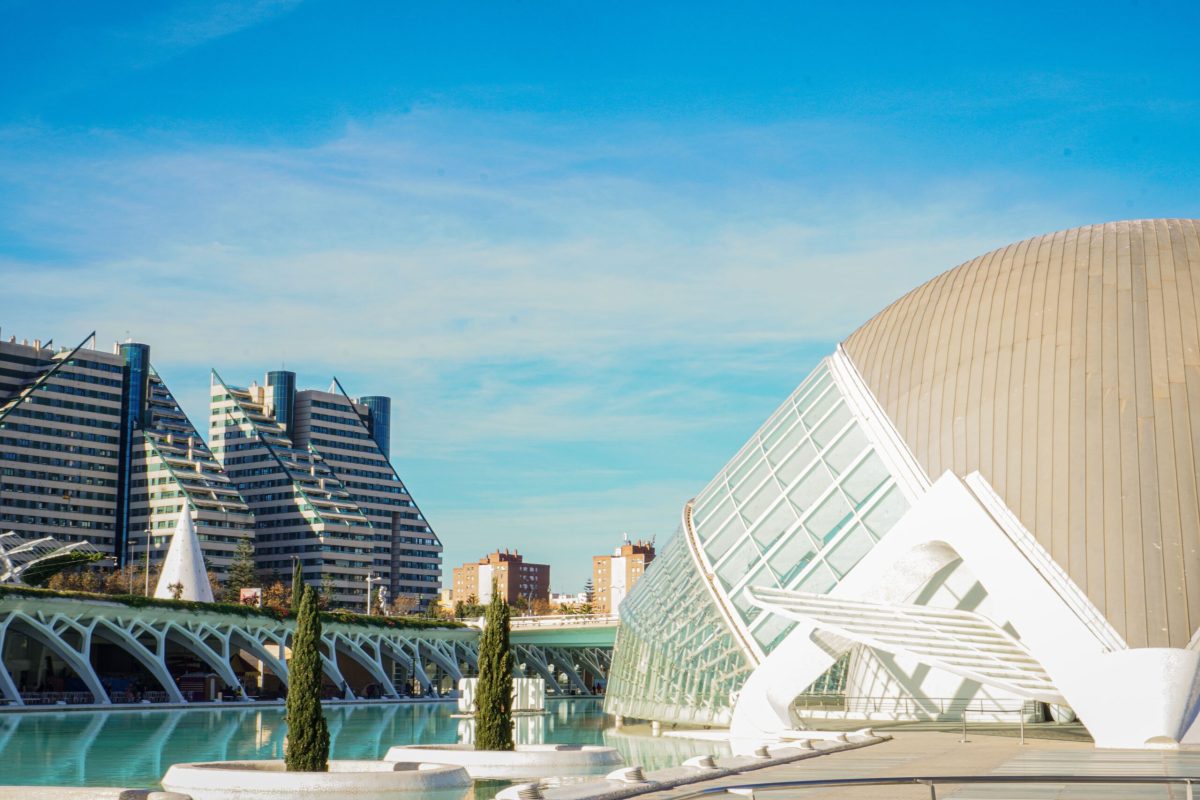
{"x":1066,"y":370}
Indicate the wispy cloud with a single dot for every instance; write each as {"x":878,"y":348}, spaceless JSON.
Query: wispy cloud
{"x":195,"y":23}
{"x":604,"y":313}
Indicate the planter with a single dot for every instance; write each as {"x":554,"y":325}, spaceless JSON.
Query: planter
{"x":360,"y":780}
{"x":527,"y":761}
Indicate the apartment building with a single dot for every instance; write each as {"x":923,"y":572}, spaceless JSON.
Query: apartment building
{"x":314,"y":468}
{"x":93,"y":446}
{"x":508,"y":571}
{"x":614,"y":576}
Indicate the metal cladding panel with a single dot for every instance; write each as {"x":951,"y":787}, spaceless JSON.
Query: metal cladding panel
{"x":1066,"y":370}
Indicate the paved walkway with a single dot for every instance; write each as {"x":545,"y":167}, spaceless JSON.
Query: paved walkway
{"x":932,"y":753}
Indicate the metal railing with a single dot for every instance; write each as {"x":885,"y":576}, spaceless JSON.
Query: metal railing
{"x":564,"y":621}
{"x":944,"y":708}
{"x":934,"y":781}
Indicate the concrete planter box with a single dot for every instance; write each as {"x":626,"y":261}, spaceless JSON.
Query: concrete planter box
{"x":529,"y":695}
{"x":360,"y":780}
{"x":527,"y":761}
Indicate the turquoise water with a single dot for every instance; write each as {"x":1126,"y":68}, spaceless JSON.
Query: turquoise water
{"x":135,"y":748}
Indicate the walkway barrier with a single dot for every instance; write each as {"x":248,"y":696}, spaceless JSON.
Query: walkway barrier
{"x":933,"y":708}
{"x":934,"y":781}
{"x":564,"y":621}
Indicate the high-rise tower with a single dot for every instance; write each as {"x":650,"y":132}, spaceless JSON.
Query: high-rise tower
{"x":323,"y":489}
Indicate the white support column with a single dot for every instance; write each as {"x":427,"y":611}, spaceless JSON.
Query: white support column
{"x":1128,"y":698}
{"x":564,"y":661}
{"x":155,"y":662}
{"x":7,"y":687}
{"x":201,"y":650}
{"x":48,"y":637}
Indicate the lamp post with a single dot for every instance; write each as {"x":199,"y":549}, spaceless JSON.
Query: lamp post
{"x":148,"y":538}
{"x":371,"y":579}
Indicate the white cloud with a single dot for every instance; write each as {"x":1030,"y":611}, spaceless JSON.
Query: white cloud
{"x":440,"y":257}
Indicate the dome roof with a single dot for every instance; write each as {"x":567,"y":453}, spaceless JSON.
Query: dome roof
{"x":1066,"y":370}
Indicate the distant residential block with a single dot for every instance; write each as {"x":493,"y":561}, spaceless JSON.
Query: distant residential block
{"x":512,"y":575}
{"x":614,"y":576}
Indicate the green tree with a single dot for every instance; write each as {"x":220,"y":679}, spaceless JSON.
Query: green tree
{"x":308,"y":736}
{"x":242,"y":574}
{"x":297,"y":585}
{"x":327,"y":590}
{"x":493,"y":693}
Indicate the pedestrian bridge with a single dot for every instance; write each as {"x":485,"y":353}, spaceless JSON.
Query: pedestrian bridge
{"x":57,"y":650}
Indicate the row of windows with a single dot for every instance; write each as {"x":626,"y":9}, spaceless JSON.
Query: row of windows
{"x":71,"y":405}
{"x":64,"y":433}
{"x":78,"y":391}
{"x":49,"y":461}
{"x":83,"y":377}
{"x":416,"y":540}
{"x":70,"y":507}
{"x":352,"y":421}
{"x":39,"y":475}
{"x":330,"y":444}
{"x":340,"y":458}
{"x":58,"y":522}
{"x":50,"y":416}
{"x":332,"y":406}
{"x":98,"y":366}
{"x":79,"y":494}
{"x":58,"y":447}
{"x":374,"y":485}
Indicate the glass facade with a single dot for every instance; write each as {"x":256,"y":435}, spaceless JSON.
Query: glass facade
{"x":798,"y":507}
{"x":133,"y":418}
{"x":379,"y":421}
{"x":675,"y":659}
{"x":282,"y":385}
{"x":802,"y":502}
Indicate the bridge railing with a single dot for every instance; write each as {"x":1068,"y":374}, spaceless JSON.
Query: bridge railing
{"x":559,"y":621}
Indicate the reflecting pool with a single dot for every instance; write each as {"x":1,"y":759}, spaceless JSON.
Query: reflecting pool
{"x":134,"y":748}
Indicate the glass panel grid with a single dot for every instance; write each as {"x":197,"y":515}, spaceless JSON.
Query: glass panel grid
{"x":810,"y":462}
{"x":799,"y":505}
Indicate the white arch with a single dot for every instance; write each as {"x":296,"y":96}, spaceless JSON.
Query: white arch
{"x":244,"y":641}
{"x":436,"y":655}
{"x":370,"y":663}
{"x":53,"y":641}
{"x":154,"y":662}
{"x":1104,"y":683}
{"x":218,"y":662}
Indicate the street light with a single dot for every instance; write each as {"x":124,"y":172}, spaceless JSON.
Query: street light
{"x":148,"y":539}
{"x":371,"y":578}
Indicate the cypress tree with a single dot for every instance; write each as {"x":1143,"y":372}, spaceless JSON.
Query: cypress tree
{"x":297,"y":586}
{"x":308,"y":736}
{"x":493,"y":693}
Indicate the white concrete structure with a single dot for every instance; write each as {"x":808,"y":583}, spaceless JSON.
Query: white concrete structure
{"x":20,"y":558}
{"x":526,"y":761}
{"x":184,"y":564}
{"x":529,"y":695}
{"x":987,"y":497}
{"x":269,"y":780}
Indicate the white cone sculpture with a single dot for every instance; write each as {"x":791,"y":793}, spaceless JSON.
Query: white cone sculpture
{"x":184,"y":565}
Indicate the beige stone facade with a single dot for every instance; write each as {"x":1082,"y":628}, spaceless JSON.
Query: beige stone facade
{"x":614,"y":576}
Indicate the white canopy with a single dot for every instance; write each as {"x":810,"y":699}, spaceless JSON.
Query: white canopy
{"x":185,"y":564}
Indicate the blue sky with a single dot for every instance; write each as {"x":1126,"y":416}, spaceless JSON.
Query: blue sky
{"x":586,"y":247}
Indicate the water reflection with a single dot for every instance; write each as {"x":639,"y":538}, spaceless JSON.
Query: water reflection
{"x":135,"y":748}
